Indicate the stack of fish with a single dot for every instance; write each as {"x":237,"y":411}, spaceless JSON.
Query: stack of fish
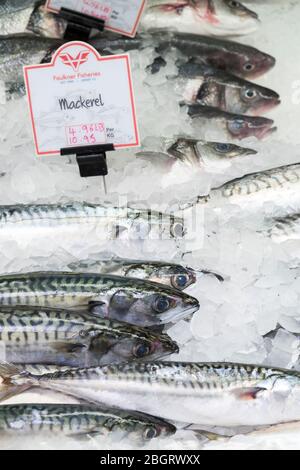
{"x":115,"y":313}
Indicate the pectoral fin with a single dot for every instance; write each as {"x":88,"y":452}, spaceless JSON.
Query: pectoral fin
{"x":248,"y":393}
{"x":67,"y":346}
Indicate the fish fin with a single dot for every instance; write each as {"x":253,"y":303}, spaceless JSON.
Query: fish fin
{"x":67,"y":346}
{"x":248,"y":393}
{"x":7,"y":387}
{"x":93,"y":305}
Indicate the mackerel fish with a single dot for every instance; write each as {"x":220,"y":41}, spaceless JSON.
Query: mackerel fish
{"x":81,"y":218}
{"x":130,"y":300}
{"x":170,"y":274}
{"x":35,"y":335}
{"x":279,"y":184}
{"x":80,"y":421}
{"x":211,"y":394}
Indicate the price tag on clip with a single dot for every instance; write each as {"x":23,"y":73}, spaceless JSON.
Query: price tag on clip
{"x":81,"y":99}
{"x":120,"y":16}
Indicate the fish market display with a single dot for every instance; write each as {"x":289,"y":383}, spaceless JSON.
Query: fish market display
{"x":125,"y":299}
{"x":79,"y":421}
{"x":209,"y":87}
{"x":277,"y":184}
{"x":35,"y":335}
{"x":110,"y":222}
{"x":171,"y":274}
{"x":102,"y":283}
{"x":234,"y":126}
{"x":211,"y":17}
{"x":217,"y":394}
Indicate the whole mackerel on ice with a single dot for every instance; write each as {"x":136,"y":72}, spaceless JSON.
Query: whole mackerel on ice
{"x":130,"y":300}
{"x":171,"y":274}
{"x":36,"y":335}
{"x":277,"y":184}
{"x":78,"y":421}
{"x":80,"y":218}
{"x":213,"y":394}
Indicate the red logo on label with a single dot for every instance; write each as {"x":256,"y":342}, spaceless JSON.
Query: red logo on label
{"x":75,"y":62}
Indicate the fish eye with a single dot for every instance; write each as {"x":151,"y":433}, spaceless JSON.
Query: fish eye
{"x":141,"y":350}
{"x":222,"y":148}
{"x":236,"y":126}
{"x":234,"y":4}
{"x":179,"y":281}
{"x":161,"y":304}
{"x":248,"y":67}
{"x":249,"y":94}
{"x":150,"y":433}
{"x":177,"y":230}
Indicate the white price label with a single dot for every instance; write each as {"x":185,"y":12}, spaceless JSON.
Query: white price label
{"x":120,"y":16}
{"x":81,"y":98}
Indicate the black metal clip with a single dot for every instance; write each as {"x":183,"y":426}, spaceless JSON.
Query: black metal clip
{"x":79,"y":25}
{"x":91,"y":159}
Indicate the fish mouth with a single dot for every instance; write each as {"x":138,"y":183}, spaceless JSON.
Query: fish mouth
{"x":263,"y":66}
{"x":267,"y":106}
{"x":265,"y":131}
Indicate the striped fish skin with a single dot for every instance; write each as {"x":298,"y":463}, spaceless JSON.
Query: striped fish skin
{"x":285,"y":228}
{"x":35,"y":335}
{"x":78,"y":421}
{"x":109,"y":222}
{"x":170,"y":274}
{"x":217,"y":394}
{"x":135,"y":301}
{"x":263,"y":184}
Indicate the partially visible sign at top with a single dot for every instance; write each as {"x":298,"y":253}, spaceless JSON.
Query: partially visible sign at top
{"x":81,"y":99}
{"x":120,"y":16}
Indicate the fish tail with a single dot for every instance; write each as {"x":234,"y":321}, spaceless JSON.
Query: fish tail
{"x":8,"y":385}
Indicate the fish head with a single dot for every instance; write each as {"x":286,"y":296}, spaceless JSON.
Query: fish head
{"x":281,"y":385}
{"x":123,"y":343}
{"x":248,"y":98}
{"x":229,"y":16}
{"x":220,"y":150}
{"x":141,"y":427}
{"x":241,"y":127}
{"x":145,"y":303}
{"x":253,"y":64}
{"x":173,"y":275}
